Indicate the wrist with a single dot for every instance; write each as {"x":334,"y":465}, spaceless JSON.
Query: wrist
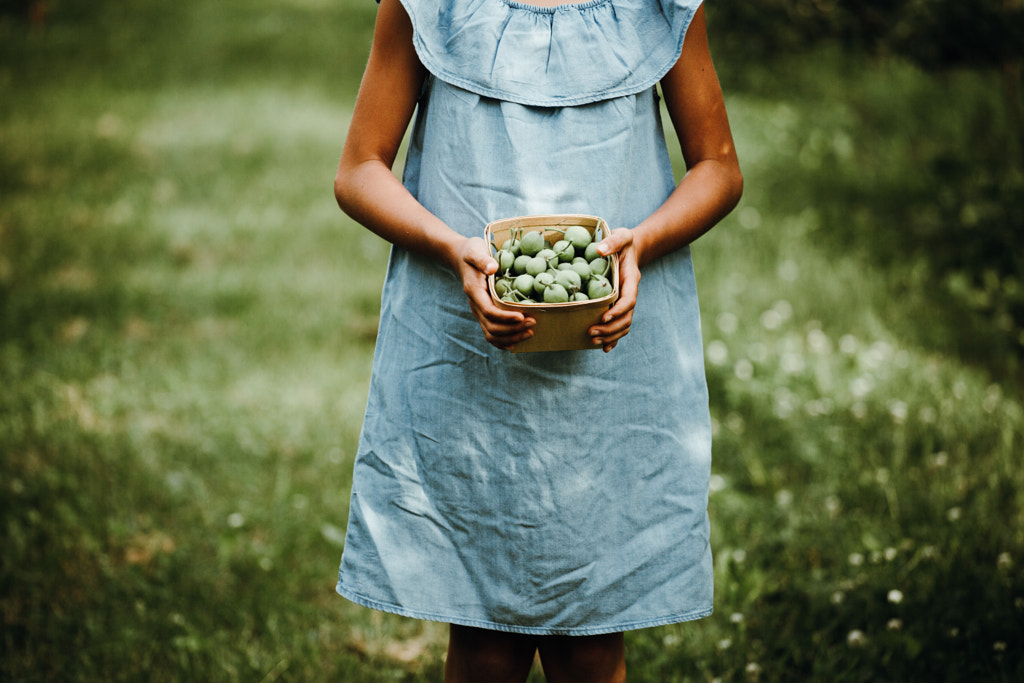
{"x":449,"y":247}
{"x":641,"y":245}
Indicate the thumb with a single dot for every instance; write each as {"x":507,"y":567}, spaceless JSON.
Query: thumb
{"x":615,"y":242}
{"x":479,"y":258}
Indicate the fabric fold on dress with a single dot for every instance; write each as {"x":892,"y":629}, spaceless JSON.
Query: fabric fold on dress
{"x":558,"y":56}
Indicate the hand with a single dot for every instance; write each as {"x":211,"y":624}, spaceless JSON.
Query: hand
{"x":616,"y":321}
{"x":501,"y":327}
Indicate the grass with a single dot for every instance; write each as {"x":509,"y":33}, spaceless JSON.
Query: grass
{"x":187,"y":326}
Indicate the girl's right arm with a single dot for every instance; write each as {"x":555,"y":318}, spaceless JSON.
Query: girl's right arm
{"x":368,"y":191}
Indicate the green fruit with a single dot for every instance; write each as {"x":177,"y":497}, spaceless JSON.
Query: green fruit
{"x":519,"y":267}
{"x":511,"y":244}
{"x":582,"y":268}
{"x":506,"y":259}
{"x":555,"y":294}
{"x":542,"y":282}
{"x":565,"y":250}
{"x":536,"y":265}
{"x":579,"y":296}
{"x":591,"y":252}
{"x":569,"y":279}
{"x":524,"y":284}
{"x":502,"y":286}
{"x":578,"y":236}
{"x":531,"y":243}
{"x":598,"y":287}
{"x":550,"y":256}
{"x":599,"y":266}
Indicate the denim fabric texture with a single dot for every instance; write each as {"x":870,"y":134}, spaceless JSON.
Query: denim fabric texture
{"x":546,"y":493}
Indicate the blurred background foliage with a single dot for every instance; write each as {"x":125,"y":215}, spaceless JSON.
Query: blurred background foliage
{"x":937,"y":34}
{"x":187,"y":321}
{"x":961,"y":213}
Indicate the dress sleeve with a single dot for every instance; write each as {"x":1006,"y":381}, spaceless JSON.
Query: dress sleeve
{"x":550,"y":56}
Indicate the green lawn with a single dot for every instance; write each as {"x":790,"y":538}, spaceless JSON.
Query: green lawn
{"x":187,"y":322}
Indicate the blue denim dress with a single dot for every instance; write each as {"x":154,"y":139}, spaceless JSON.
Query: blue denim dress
{"x":544,"y":493}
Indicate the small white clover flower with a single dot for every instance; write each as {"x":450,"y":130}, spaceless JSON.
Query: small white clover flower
{"x":848,"y":344}
{"x":818,"y":342}
{"x":1004,"y":561}
{"x":717,"y":352}
{"x":744,"y":369}
{"x":898,"y":411}
{"x":895,"y":596}
{"x":727,"y":322}
{"x":856,"y":638}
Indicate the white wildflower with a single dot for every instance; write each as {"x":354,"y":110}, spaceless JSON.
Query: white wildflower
{"x":856,"y":638}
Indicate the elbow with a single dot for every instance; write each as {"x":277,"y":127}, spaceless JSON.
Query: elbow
{"x":732,"y":184}
{"x":349,"y":180}
{"x":736,"y":185}
{"x":342,"y":186}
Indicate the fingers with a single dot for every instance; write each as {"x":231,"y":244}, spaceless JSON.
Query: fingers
{"x":502,"y":328}
{"x":617,"y":320}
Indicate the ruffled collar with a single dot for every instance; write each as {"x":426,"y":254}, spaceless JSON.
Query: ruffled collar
{"x":550,"y":56}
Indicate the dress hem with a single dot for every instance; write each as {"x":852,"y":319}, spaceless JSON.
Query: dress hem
{"x":692,"y":615}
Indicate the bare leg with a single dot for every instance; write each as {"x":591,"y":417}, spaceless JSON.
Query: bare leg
{"x":583,"y":659}
{"x":478,"y":655}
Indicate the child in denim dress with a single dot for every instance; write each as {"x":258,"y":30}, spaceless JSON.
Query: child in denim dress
{"x":541,"y":502}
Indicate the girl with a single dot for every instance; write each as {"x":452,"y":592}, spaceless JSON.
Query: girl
{"x":545,"y":502}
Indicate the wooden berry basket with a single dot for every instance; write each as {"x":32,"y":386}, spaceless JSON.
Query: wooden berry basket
{"x":560,"y":326}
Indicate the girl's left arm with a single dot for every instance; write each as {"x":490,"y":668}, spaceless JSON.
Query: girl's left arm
{"x":710,"y":189}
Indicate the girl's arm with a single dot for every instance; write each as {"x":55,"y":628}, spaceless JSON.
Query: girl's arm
{"x":710,"y":189}
{"x":369,"y":192}
{"x":713,"y":183}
